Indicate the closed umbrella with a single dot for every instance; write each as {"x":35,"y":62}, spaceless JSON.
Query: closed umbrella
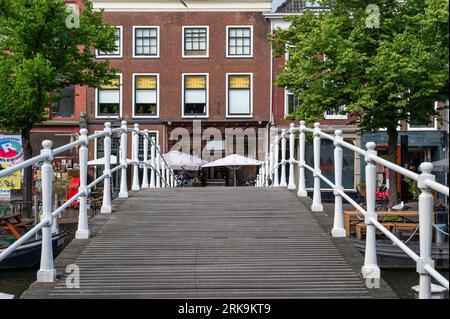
{"x":234,"y":161}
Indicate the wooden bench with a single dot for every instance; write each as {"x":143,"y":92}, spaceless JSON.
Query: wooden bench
{"x":359,"y":227}
{"x":14,"y":222}
{"x":392,"y":227}
{"x":353,"y":218}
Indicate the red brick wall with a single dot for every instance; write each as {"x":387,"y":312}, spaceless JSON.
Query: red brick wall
{"x":171,"y":65}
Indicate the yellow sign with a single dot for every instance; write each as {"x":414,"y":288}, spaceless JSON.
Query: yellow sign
{"x":146,"y":82}
{"x":195,"y":82}
{"x":11,"y":181}
{"x":239,"y":82}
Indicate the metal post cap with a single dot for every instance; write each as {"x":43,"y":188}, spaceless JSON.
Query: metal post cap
{"x":371,"y":146}
{"x":426,"y":167}
{"x":47,"y":144}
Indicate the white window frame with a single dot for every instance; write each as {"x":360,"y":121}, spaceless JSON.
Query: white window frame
{"x":251,"y":95}
{"x":120,"y":55}
{"x":183,"y":43}
{"x":158,"y":51}
{"x":157,"y":95}
{"x":336,"y":116}
{"x":286,"y":102}
{"x":251,"y":42}
{"x":207,"y":96}
{"x":120,"y":102}
{"x":355,"y":182}
{"x":435,"y":122}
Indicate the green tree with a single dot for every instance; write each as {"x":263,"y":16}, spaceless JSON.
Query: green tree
{"x":43,"y":49}
{"x":385,"y":63}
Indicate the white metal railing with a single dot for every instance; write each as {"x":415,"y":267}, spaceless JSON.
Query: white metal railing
{"x":426,"y":183}
{"x":161,"y":176}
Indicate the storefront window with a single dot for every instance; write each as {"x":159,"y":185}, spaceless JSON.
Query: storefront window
{"x":327,"y":165}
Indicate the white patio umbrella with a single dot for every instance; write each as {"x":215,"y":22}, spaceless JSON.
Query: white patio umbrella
{"x":178,"y":160}
{"x":441,"y":166}
{"x":234,"y":161}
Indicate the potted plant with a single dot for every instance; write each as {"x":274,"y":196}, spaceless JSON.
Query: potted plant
{"x":362,"y":188}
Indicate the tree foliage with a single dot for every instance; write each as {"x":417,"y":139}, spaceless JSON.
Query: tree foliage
{"x":381,"y":74}
{"x":40,"y":54}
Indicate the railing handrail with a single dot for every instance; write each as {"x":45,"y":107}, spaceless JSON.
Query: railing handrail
{"x":426,"y":182}
{"x":168,"y":178}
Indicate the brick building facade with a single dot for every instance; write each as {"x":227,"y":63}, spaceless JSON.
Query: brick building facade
{"x":206,"y":63}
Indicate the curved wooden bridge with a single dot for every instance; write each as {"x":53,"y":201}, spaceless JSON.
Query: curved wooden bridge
{"x":211,"y":243}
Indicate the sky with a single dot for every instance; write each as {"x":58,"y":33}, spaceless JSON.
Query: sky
{"x":276,"y":3}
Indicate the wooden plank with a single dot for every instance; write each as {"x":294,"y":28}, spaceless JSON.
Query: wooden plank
{"x":210,"y":243}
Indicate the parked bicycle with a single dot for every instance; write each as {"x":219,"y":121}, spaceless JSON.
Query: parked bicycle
{"x":185,"y":177}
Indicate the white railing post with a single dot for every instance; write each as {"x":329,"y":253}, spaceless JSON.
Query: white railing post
{"x":83,"y":227}
{"x":47,"y":272}
{"x":301,"y":168}
{"x":292,"y":185}
{"x":426,"y":207}
{"x":338,"y":226}
{"x":370,"y":268}
{"x":158,"y":168}
{"x":283,"y":182}
{"x":106,"y":204}
{"x":271,"y":163}
{"x":263,"y":174}
{"x":145,"y":168}
{"x":276,"y":178}
{"x":135,"y":149}
{"x":317,"y":196}
{"x":123,"y":161}
{"x":153,"y":163}
{"x":167,"y":176}
{"x":163,"y":173}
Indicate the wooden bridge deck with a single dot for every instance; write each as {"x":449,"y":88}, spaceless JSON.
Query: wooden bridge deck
{"x":209,"y":243}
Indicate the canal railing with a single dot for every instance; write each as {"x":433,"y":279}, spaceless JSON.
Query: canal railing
{"x":161,"y":175}
{"x":269,"y":176}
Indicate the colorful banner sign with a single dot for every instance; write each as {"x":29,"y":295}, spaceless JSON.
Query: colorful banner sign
{"x":11,"y":153}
